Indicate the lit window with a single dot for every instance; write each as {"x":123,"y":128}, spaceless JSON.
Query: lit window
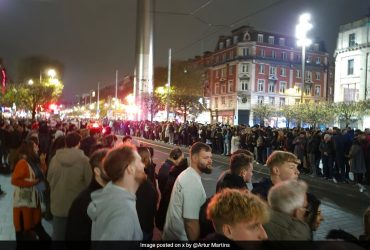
{"x":350,"y":67}
{"x":283,"y":71}
{"x":271,"y":40}
{"x":223,"y":100}
{"x":244,"y":85}
{"x":272,"y":71}
{"x":262,"y":69}
{"x":230,"y":86}
{"x":282,"y":87}
{"x":260,"y":38}
{"x":216,"y":102}
{"x":282,"y":41}
{"x":271,"y":87}
{"x":318,"y":60}
{"x":318,"y":76}
{"x":261,"y":100}
{"x":261,"y":84}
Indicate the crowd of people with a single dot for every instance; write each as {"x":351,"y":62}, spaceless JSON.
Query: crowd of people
{"x":96,"y":187}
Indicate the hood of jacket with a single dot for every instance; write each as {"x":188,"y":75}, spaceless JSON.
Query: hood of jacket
{"x":68,"y":157}
{"x":108,"y":198}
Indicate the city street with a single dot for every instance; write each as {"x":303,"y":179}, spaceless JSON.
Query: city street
{"x":342,"y":204}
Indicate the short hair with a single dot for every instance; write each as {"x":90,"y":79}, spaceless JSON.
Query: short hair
{"x":287,"y":196}
{"x":144,"y":152}
{"x":238,"y":162}
{"x":175,"y":153}
{"x":127,"y":137}
{"x":231,"y":206}
{"x":97,"y":157}
{"x":199,"y":146}
{"x":73,"y":139}
{"x":243,"y":151}
{"x":278,"y":158}
{"x":117,"y":160}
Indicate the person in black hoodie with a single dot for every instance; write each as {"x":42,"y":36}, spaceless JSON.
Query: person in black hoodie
{"x":146,"y":197}
{"x":79,"y":223}
{"x":175,"y":157}
{"x":160,"y":217}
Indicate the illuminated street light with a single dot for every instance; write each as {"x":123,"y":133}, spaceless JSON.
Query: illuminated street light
{"x":302,"y":28}
{"x":30,"y":82}
{"x":52,"y":73}
{"x":130,"y":98}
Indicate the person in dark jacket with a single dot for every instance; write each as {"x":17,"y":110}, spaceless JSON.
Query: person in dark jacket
{"x":283,"y":166}
{"x":176,"y":170}
{"x":79,"y":223}
{"x":175,"y":157}
{"x":327,"y":155}
{"x":146,"y":198}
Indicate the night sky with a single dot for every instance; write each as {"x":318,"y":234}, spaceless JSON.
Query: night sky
{"x":93,"y":38}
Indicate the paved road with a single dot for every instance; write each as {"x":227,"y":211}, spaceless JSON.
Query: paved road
{"x":342,"y":204}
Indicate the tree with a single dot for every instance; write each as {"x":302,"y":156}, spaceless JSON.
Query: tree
{"x":153,"y":103}
{"x":347,"y":111}
{"x":262,"y":112}
{"x":290,"y":112}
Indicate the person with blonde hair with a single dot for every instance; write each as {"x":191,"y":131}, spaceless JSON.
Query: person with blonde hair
{"x":288,"y":203}
{"x":237,"y":216}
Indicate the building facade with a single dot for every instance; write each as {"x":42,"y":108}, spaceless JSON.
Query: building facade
{"x":252,"y":67}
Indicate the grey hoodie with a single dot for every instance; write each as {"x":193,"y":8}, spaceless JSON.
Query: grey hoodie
{"x":113,"y":214}
{"x":69,"y":173}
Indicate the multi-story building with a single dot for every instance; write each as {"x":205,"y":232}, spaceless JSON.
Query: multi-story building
{"x":251,"y":67}
{"x":352,"y":61}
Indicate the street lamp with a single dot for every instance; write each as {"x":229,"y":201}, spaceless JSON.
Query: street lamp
{"x":30,"y":82}
{"x":52,"y":73}
{"x":302,"y":28}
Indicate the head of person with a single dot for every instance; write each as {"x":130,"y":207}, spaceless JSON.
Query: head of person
{"x":96,"y":163}
{"x":283,"y":166}
{"x":367,"y":222}
{"x":124,"y":167}
{"x":327,"y":138}
{"x":28,"y":150}
{"x":145,"y":155}
{"x":176,"y":156}
{"x":73,"y":140}
{"x":238,"y":215}
{"x":289,"y":197}
{"x":127,"y":139}
{"x":313,"y":216}
{"x":243,"y":151}
{"x":242,"y":165}
{"x":201,"y":157}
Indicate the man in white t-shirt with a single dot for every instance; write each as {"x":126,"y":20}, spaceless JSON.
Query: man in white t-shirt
{"x":188,"y":195}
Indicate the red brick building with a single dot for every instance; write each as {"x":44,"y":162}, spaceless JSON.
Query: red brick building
{"x":251,"y":66}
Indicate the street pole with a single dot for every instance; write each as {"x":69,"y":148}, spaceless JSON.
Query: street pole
{"x":303,"y":74}
{"x":168,"y":84}
{"x":115,"y":99}
{"x":97,"y":103}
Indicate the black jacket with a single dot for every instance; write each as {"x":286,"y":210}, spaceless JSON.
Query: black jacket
{"x":229,"y":180}
{"x":146,"y":204}
{"x":79,"y":223}
{"x":163,"y":174}
{"x":262,"y":188}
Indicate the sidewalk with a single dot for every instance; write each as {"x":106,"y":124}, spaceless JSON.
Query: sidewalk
{"x":6,"y":211}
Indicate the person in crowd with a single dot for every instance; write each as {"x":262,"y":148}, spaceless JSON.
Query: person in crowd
{"x":175,"y":171}
{"x":146,"y":197}
{"x":313,"y":216}
{"x":300,"y":149}
{"x":283,"y":166}
{"x":235,"y":142}
{"x":113,"y":209}
{"x":175,"y":157}
{"x":188,"y":195}
{"x":28,"y":178}
{"x":288,"y":203}
{"x":69,"y":173}
{"x":127,"y":140}
{"x":237,"y":216}
{"x":79,"y":223}
{"x":357,"y":162}
{"x":240,"y":172}
{"x":226,"y":140}
{"x":313,"y":153}
{"x":90,"y":141}
{"x":327,"y":154}
{"x":339,"y":142}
